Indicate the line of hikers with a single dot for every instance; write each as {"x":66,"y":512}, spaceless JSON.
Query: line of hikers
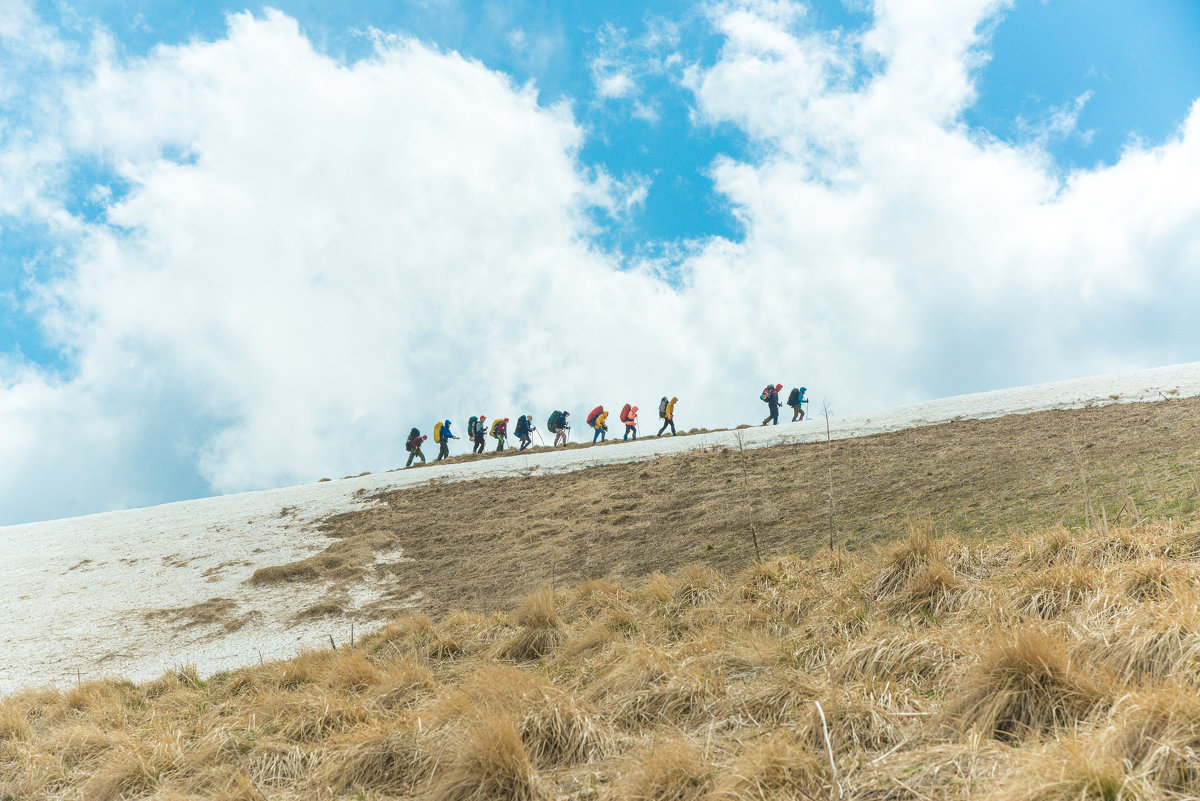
{"x":559,"y":424}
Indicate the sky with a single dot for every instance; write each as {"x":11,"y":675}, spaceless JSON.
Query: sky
{"x":245,"y":246}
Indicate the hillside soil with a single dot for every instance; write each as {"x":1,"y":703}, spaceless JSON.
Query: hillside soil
{"x":480,"y":545}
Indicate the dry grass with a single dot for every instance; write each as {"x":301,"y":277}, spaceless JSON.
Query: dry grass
{"x":1059,"y":664}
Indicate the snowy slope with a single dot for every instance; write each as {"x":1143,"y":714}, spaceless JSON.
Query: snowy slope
{"x":77,"y":592}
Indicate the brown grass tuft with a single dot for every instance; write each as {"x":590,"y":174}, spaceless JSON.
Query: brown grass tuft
{"x":1023,"y":683}
{"x":353,"y":673}
{"x":1157,"y":735}
{"x":125,"y":773}
{"x":539,"y":631}
{"x":1051,"y":593}
{"x":776,"y":768}
{"x":668,"y":769}
{"x":899,"y":564}
{"x":387,"y":758}
{"x":487,"y":761}
{"x":1161,"y":642}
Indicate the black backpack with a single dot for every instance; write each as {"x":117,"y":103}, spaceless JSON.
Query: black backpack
{"x":794,"y":397}
{"x":412,"y":437}
{"x":662,"y":408}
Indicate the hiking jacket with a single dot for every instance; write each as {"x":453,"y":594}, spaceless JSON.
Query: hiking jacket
{"x":671,"y":409}
{"x":601,"y":420}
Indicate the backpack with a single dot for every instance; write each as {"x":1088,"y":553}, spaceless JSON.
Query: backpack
{"x":625,"y":412}
{"x":662,"y":408}
{"x":495,"y":423}
{"x":522,"y":425}
{"x":765,"y":397}
{"x":412,"y":436}
{"x":474,"y":421}
{"x":591,"y":418}
{"x":437,"y":431}
{"x":794,"y":397}
{"x":553,"y":422}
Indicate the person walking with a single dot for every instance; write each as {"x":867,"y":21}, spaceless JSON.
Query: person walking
{"x":477,"y":431}
{"x":523,"y":429}
{"x":500,"y":432}
{"x":442,"y":436}
{"x":796,"y":401}
{"x":601,"y":426}
{"x":629,"y":418}
{"x":666,"y":411}
{"x":413,"y":446}
{"x":559,"y":425}
{"x":770,"y":395}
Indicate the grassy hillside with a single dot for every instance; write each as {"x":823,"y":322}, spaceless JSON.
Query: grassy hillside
{"x":1012,"y":611}
{"x":1061,"y":665}
{"x":479,"y":545}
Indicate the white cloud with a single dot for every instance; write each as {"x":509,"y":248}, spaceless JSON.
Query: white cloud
{"x":315,"y":257}
{"x":910,"y":255}
{"x":312,"y":256}
{"x":615,"y":85}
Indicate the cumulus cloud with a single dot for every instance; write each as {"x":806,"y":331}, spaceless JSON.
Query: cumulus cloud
{"x":301,"y":258}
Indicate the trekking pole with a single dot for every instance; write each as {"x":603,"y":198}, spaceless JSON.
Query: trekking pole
{"x":539,"y":433}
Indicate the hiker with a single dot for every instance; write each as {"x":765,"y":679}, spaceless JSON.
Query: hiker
{"x":500,"y":432}
{"x":770,"y":396}
{"x":523,"y":428}
{"x":629,"y":418}
{"x":666,"y":411}
{"x":558,"y":426}
{"x":476,"y":429}
{"x":598,"y":420}
{"x":413,"y":446}
{"x":796,"y":400}
{"x":442,"y":436}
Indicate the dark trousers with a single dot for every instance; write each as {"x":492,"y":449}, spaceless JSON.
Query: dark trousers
{"x":414,"y":453}
{"x":443,"y":451}
{"x":478,"y":444}
{"x":499,"y":444}
{"x":526,"y":441}
{"x":630,"y":430}
{"x":667,"y":421}
{"x":772,"y":416}
{"x":797,"y":412}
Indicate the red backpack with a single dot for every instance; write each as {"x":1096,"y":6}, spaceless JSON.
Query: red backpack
{"x":625,"y":412}
{"x":591,"y":418}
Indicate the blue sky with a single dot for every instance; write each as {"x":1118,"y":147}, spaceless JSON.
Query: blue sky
{"x":678,"y":159}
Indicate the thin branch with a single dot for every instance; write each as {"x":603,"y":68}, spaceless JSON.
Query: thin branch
{"x":749,"y":495}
